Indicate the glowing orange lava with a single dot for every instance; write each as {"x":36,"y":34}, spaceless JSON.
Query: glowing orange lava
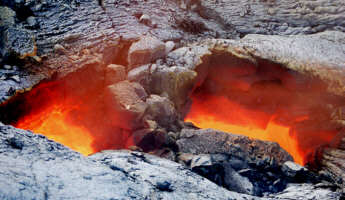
{"x":54,"y":123}
{"x":219,"y":113}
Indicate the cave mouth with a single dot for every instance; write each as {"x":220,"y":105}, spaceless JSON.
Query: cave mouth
{"x":265,"y":101}
{"x":71,"y":110}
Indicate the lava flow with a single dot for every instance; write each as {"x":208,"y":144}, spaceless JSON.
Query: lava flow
{"x":72,"y":111}
{"x":265,"y":102}
{"x":53,"y":122}
{"x":221,"y":114}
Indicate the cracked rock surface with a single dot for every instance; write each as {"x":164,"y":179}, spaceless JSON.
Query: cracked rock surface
{"x":33,"y":167}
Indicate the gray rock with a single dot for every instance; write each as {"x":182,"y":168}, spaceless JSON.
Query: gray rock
{"x":305,"y":191}
{"x":169,"y":46}
{"x":8,"y":67}
{"x":291,"y":169}
{"x":58,"y":48}
{"x":145,"y":51}
{"x":33,"y":167}
{"x":208,"y":141}
{"x":17,"y":42}
{"x":175,"y":82}
{"x":162,"y":110}
{"x":7,"y":16}
{"x":235,"y":182}
{"x":32,"y":22}
{"x":145,"y":19}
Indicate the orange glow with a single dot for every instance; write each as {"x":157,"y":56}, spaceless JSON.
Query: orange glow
{"x":221,"y":114}
{"x":265,"y":101}
{"x":53,"y":122}
{"x":73,"y":112}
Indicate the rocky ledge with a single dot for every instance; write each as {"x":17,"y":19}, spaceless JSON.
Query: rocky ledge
{"x":33,"y":167}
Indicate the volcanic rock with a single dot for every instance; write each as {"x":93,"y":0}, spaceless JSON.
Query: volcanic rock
{"x":43,"y":169}
{"x":114,"y":73}
{"x":145,"y":51}
{"x":239,"y":163}
{"x":169,"y":46}
{"x":305,"y":191}
{"x":162,"y":110}
{"x":175,"y":82}
{"x":208,"y":141}
{"x":124,"y":98}
{"x":18,"y":43}
{"x":7,"y":16}
{"x":107,"y":32}
{"x":291,"y":169}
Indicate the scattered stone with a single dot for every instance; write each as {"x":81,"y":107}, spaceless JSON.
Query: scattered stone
{"x":176,"y":82}
{"x":58,"y":48}
{"x":32,"y":22}
{"x":16,"y":78}
{"x":164,"y":186}
{"x":145,"y":19}
{"x":15,"y":143}
{"x":146,"y":50}
{"x":169,"y":46}
{"x":291,"y":169}
{"x":114,"y":74}
{"x":8,"y":67}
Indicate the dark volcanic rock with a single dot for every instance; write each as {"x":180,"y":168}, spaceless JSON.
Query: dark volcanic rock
{"x":33,"y":167}
{"x":208,"y":141}
{"x":240,"y":164}
{"x":7,"y":16}
{"x":17,"y":42}
{"x":234,"y":162}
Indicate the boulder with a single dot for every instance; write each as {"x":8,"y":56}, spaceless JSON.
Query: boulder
{"x":175,"y":82}
{"x":16,"y":42}
{"x":124,"y":105}
{"x":162,"y":110}
{"x":114,"y":73}
{"x":291,"y":169}
{"x":7,"y":16}
{"x":145,"y":51}
{"x":208,"y":141}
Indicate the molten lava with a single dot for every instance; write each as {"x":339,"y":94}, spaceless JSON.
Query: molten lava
{"x":264,"y":101}
{"x":221,"y":114}
{"x":53,"y":122}
{"x":71,"y":111}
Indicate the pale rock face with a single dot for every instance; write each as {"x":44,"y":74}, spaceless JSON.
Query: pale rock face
{"x":146,"y":50}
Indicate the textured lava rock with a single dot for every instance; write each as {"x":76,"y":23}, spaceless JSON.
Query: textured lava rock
{"x":17,"y":43}
{"x":162,"y":110}
{"x":33,"y":167}
{"x":124,"y":103}
{"x":114,"y":73}
{"x":146,"y":50}
{"x":7,"y":16}
{"x":211,"y":141}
